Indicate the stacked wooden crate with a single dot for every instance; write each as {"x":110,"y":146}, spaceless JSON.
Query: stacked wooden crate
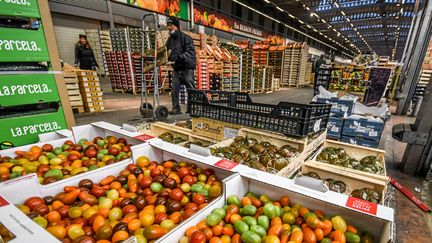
{"x":202,"y":81}
{"x":90,"y":90}
{"x":246,"y":66}
{"x":258,"y":77}
{"x":94,"y":41}
{"x":295,"y":64}
{"x":268,"y":78}
{"x":105,"y":41}
{"x":72,"y":86}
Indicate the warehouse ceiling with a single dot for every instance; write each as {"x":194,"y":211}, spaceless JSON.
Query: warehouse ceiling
{"x":362,"y":25}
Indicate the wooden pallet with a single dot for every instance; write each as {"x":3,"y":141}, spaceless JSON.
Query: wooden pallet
{"x":72,"y":87}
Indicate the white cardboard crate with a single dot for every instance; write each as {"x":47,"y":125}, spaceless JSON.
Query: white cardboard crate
{"x":249,"y":180}
{"x":157,"y":150}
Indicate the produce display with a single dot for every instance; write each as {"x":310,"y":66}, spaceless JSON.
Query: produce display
{"x":258,"y":155}
{"x":170,"y":138}
{"x":55,"y":163}
{"x":254,"y":219}
{"x":188,"y":144}
{"x":338,"y":156}
{"x":367,"y":194}
{"x":145,"y":200}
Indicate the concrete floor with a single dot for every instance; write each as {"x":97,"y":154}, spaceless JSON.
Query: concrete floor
{"x":412,"y":224}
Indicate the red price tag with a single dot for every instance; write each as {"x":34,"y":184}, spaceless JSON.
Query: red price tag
{"x":143,"y":137}
{"x":3,"y":202}
{"x":362,"y":205}
{"x":226,"y":164}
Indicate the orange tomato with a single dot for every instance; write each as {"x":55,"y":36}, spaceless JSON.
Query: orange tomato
{"x":352,"y":229}
{"x":176,"y":217}
{"x":339,"y":236}
{"x":276,"y":221}
{"x":104,"y":212}
{"x":297,"y":236}
{"x":228,"y":230}
{"x":103,"y":241}
{"x":303,"y":211}
{"x":57,"y":204}
{"x":226,"y":239}
{"x":215,"y":240}
{"x":236,"y":239}
{"x":246,"y":201}
{"x":275,"y":230}
{"x":116,"y":185}
{"x":134,"y":224}
{"x":319,"y":234}
{"x":175,"y":177}
{"x":191,"y":230}
{"x":53,"y":216}
{"x":328,"y":226}
{"x":120,"y":235}
{"x":284,"y":201}
{"x":202,"y":225}
{"x":217,"y":230}
{"x":309,"y":235}
{"x":169,"y":164}
{"x":234,"y":218}
{"x":98,"y":221}
{"x":319,"y":213}
{"x":208,"y":232}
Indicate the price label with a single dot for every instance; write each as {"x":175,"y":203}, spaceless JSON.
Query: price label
{"x":3,"y":202}
{"x":362,"y":205}
{"x":373,"y":133}
{"x":143,"y":137}
{"x":201,"y":29}
{"x":226,"y":164}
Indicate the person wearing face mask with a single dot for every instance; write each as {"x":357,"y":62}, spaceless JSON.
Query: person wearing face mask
{"x":84,"y":56}
{"x":181,"y":51}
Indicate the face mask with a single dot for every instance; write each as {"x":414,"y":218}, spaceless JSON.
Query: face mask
{"x":172,"y":32}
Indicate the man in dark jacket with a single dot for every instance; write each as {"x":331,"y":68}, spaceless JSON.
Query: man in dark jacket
{"x":318,"y":64}
{"x":181,"y":51}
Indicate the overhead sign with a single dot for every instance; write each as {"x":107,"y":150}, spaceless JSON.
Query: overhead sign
{"x":247,"y":29}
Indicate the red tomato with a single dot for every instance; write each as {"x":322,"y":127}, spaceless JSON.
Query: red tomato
{"x":198,"y":237}
{"x":176,"y":194}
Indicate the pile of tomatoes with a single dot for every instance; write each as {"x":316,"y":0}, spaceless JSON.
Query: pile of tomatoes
{"x":255,"y":219}
{"x":53,"y":164}
{"x":145,"y":200}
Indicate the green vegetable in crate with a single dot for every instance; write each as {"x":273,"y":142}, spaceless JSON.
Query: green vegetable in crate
{"x":338,"y":156}
{"x":167,"y":137}
{"x":336,"y":186}
{"x":367,"y":194}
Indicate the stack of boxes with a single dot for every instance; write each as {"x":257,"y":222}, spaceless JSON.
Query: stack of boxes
{"x":90,"y":90}
{"x":246,"y":66}
{"x":72,"y":86}
{"x":295,"y":64}
{"x":340,"y":109}
{"x":105,"y":41}
{"x":135,"y":39}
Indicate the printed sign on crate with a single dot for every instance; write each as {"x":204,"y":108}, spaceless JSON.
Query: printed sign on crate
{"x":226,"y":164}
{"x":362,"y":205}
{"x":144,"y":137}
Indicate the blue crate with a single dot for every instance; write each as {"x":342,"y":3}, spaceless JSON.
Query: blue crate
{"x":330,"y":136}
{"x":371,"y":130}
{"x":360,"y":141}
{"x":334,"y":126}
{"x":340,"y":108}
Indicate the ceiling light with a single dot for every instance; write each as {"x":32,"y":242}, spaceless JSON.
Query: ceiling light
{"x":348,"y":19}
{"x":323,"y":21}
{"x":267,"y":1}
{"x":343,"y":13}
{"x":336,"y":4}
{"x":292,"y":16}
{"x":311,"y":14}
{"x":401,"y":11}
{"x":278,"y":8}
{"x":310,"y":27}
{"x":301,"y":22}
{"x":307,"y":8}
{"x":351,"y":25}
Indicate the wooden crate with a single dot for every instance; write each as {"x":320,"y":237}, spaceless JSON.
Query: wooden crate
{"x":159,"y":128}
{"x":75,"y":99}
{"x":352,"y":181}
{"x":214,"y":129}
{"x":305,"y":146}
{"x":356,"y":152}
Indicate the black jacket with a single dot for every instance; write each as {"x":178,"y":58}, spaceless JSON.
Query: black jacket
{"x":318,"y":64}
{"x":182,"y":51}
{"x":84,"y":56}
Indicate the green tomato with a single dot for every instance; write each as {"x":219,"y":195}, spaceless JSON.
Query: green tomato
{"x":185,"y":187}
{"x":65,"y":147}
{"x":115,"y":214}
{"x":203,"y":192}
{"x":113,"y":194}
{"x":264,"y":221}
{"x":156,"y":187}
{"x":100,"y":155}
{"x":240,"y":226}
{"x":352,"y":238}
{"x":56,"y":173}
{"x":104,"y":151}
{"x":259,"y":230}
{"x":50,"y":155}
{"x":250,"y":237}
{"x":41,"y":221}
{"x":57,"y":150}
{"x":249,"y":220}
{"x":339,"y":223}
{"x":219,"y":211}
{"x":270,"y":210}
{"x":100,"y":142}
{"x":249,"y":210}
{"x":105,"y":202}
{"x":196,"y":187}
{"x":233,"y":199}
{"x":213,"y":219}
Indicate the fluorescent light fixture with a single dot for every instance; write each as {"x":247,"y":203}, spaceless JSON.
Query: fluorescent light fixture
{"x":309,"y":26}
{"x":292,"y":16}
{"x":351,"y":25}
{"x":348,"y":19}
{"x":315,"y":30}
{"x":316,"y":15}
{"x":311,"y":14}
{"x":301,"y":22}
{"x":337,"y":5}
{"x":267,"y":1}
{"x":307,"y":8}
{"x":343,"y":13}
{"x":278,"y":8}
{"x":401,"y":11}
{"x":323,"y":21}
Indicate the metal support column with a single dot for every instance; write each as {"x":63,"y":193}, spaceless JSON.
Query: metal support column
{"x":111,"y":15}
{"x":416,"y":52}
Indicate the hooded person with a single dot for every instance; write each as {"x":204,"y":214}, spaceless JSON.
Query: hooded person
{"x":181,"y":51}
{"x":84,"y":56}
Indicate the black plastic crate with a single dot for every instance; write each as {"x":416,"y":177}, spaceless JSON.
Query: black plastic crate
{"x":292,"y":119}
